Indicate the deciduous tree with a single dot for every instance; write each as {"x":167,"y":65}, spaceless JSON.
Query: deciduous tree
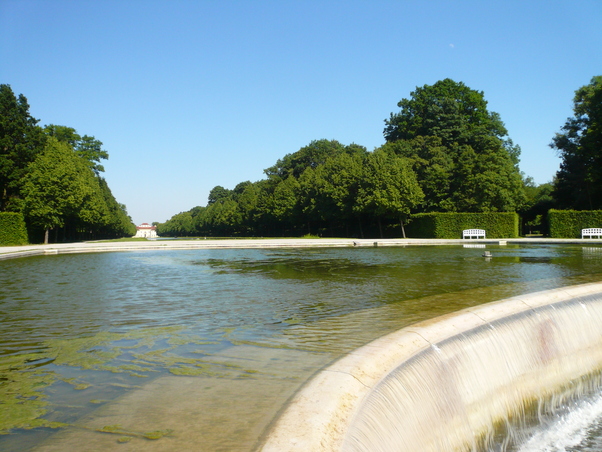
{"x":60,"y":186}
{"x":21,"y":140}
{"x":578,"y":183}
{"x":460,"y":150}
{"x":387,"y":188}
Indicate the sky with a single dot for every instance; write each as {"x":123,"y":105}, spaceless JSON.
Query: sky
{"x":187,"y":95}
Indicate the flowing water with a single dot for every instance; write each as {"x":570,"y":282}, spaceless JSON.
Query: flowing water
{"x":201,"y":349}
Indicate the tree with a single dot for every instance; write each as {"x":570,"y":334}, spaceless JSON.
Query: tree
{"x":337,"y":186}
{"x":459,"y":150}
{"x":311,"y":156}
{"x":180,"y":225}
{"x":434,"y":169}
{"x":118,"y":223}
{"x":89,"y":148}
{"x":284,"y":203}
{"x":218,"y":193}
{"x":578,"y":183}
{"x":59,"y":187}
{"x":449,"y":110}
{"x":223,"y":216}
{"x":248,"y":200}
{"x":387,"y":188}
{"x":21,"y":140}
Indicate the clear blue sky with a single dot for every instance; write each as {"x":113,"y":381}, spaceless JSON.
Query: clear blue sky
{"x":187,"y":95}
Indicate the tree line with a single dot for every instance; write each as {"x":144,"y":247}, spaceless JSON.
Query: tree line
{"x":444,"y":151}
{"x":52,"y":175}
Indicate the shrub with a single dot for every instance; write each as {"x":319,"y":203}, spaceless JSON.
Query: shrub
{"x":450,"y":225}
{"x":12,"y":229}
{"x":568,"y":223}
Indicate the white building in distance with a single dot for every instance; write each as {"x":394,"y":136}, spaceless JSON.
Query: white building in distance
{"x":145,"y":230}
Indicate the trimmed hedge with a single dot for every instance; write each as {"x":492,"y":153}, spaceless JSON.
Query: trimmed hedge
{"x":450,"y":225}
{"x":566,"y":224}
{"x":12,"y":229}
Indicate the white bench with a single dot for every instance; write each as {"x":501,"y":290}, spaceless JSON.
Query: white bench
{"x":591,"y":232}
{"x":473,"y":233}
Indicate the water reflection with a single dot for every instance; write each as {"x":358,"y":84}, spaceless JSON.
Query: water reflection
{"x":211,"y":343}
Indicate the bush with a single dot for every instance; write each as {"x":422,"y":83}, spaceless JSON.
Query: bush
{"x":568,"y":223}
{"x":450,"y":225}
{"x":12,"y":229}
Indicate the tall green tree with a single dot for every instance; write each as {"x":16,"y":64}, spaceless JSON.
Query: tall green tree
{"x":460,"y":150}
{"x":21,"y":140}
{"x":218,"y":193}
{"x":180,"y":225}
{"x":118,"y":222}
{"x":449,"y":110}
{"x":60,"y":187}
{"x":434,"y":169}
{"x":285,"y":200}
{"x":388,"y":188}
{"x":223,"y":217}
{"x":339,"y":180}
{"x":87,"y":147}
{"x":578,"y":183}
{"x":313,"y":155}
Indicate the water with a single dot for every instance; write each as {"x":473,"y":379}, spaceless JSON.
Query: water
{"x":576,"y":428}
{"x":169,"y":350}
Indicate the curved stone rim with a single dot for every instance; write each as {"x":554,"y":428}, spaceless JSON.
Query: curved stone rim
{"x":12,"y":252}
{"x":319,"y":415}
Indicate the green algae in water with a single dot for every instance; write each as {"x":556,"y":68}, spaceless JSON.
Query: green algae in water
{"x":22,"y":400}
{"x":117,"y":429}
{"x":24,"y":387}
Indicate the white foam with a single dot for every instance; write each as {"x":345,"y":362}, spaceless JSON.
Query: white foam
{"x":568,"y":430}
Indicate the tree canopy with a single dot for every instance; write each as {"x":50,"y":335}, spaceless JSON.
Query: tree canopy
{"x":578,"y":183}
{"x":461,"y":153}
{"x":89,"y":148}
{"x":444,"y":152}
{"x":449,"y":110}
{"x":21,"y":139}
{"x":52,"y":176}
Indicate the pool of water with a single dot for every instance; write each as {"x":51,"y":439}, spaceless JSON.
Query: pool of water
{"x":201,"y":349}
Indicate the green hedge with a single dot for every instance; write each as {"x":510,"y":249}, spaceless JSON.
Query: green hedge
{"x":451,"y":225}
{"x":568,"y":223}
{"x":12,"y":229}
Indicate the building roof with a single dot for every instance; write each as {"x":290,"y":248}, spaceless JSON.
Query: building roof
{"x":146,"y":226}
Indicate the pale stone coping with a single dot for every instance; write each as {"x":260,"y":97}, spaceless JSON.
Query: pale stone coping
{"x":321,"y":412}
{"x":11,"y":252}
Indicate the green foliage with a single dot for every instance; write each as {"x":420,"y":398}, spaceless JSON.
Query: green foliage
{"x":21,"y":140}
{"x":568,"y":223}
{"x":451,"y":225}
{"x":180,"y":225}
{"x":534,"y":212}
{"x":89,"y":148}
{"x":218,"y":193}
{"x":445,"y":152}
{"x":448,"y":110}
{"x":61,"y":188}
{"x":12,"y":229}
{"x":311,"y":156}
{"x":59,"y":185}
{"x":51,"y":175}
{"x":578,"y":183}
{"x":463,"y":159}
